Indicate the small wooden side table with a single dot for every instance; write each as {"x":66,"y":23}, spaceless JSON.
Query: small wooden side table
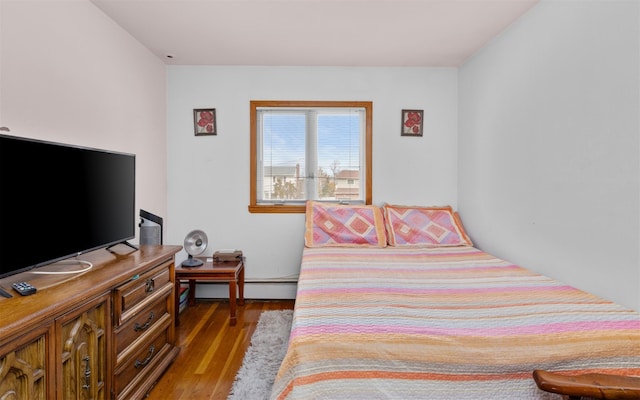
{"x":212,"y":271}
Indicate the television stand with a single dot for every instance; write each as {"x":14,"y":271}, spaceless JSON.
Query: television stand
{"x":126,"y":243}
{"x":106,"y":334}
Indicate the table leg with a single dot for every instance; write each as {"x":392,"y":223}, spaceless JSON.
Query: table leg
{"x":176,"y":310}
{"x":192,"y":292}
{"x":241,"y":286}
{"x":232,"y":302}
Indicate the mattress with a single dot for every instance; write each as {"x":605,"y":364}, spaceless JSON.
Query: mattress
{"x":443,"y":323}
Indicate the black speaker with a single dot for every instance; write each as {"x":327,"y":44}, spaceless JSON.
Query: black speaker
{"x":150,"y":228}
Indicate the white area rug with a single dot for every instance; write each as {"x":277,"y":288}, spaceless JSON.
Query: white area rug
{"x":263,"y":357}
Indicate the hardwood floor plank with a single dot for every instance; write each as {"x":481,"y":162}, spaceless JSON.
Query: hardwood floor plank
{"x":228,"y":365}
{"x":196,"y":330}
{"x":211,"y":350}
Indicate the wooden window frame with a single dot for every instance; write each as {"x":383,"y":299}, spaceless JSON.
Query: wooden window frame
{"x":254,"y":207}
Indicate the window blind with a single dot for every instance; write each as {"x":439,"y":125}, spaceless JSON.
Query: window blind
{"x":314,"y":153}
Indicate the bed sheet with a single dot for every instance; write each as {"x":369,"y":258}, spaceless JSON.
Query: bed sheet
{"x":443,"y":323}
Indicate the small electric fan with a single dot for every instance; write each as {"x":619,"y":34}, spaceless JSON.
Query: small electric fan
{"x":195,"y":243}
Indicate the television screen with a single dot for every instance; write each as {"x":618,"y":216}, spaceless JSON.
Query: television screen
{"x":58,"y":201}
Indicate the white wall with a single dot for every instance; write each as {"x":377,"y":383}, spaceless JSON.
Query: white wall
{"x":209,"y":175}
{"x":549,"y":146}
{"x":70,"y":74}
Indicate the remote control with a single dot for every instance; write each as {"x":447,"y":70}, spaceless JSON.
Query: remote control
{"x":24,"y":288}
{"x":4,"y":293}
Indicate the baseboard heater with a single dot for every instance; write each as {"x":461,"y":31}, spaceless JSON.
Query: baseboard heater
{"x":271,"y":280}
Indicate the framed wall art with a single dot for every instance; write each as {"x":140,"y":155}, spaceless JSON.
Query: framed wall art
{"x":412,"y":122}
{"x":204,"y":121}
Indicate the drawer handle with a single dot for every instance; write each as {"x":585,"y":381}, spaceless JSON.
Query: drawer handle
{"x":140,"y":364}
{"x":150,"y":286}
{"x":87,"y":373}
{"x":137,"y":327}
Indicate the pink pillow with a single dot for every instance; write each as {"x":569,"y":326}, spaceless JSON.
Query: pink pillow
{"x":424,"y":226}
{"x":344,"y":225}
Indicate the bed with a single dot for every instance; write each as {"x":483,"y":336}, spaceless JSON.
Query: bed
{"x":396,"y":303}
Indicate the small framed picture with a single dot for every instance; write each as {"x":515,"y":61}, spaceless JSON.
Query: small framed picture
{"x":412,"y":122}
{"x":204,"y":121}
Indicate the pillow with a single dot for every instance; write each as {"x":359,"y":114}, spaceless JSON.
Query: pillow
{"x":344,"y":225}
{"x":424,"y":226}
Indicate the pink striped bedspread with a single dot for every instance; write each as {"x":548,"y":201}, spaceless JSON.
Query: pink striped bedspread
{"x":444,"y":323}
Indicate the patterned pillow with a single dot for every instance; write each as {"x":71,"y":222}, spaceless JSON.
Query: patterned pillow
{"x":424,"y":226}
{"x":344,"y":225}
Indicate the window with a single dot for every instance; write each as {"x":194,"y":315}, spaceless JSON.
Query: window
{"x":309,"y":150}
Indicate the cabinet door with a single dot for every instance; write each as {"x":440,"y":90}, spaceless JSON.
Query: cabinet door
{"x":83,"y":335}
{"x":24,"y":366}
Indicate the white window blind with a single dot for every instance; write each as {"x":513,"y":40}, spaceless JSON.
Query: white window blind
{"x":310,"y":153}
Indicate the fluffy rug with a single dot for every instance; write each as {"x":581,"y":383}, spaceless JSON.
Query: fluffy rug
{"x":263,"y":357}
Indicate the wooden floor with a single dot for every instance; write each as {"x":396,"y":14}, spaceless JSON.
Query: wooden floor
{"x":211,"y":350}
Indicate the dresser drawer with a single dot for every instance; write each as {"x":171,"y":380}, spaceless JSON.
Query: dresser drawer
{"x":144,"y":358}
{"x":130,"y":297}
{"x":140,"y":324}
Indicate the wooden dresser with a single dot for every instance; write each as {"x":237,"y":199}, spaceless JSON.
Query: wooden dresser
{"x":105,"y":333}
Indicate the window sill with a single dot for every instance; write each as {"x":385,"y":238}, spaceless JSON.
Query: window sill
{"x":275,"y":209}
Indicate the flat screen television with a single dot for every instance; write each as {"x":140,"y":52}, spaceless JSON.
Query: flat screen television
{"x":58,"y":201}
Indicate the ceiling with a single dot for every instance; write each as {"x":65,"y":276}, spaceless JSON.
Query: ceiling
{"x":435,"y":33}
